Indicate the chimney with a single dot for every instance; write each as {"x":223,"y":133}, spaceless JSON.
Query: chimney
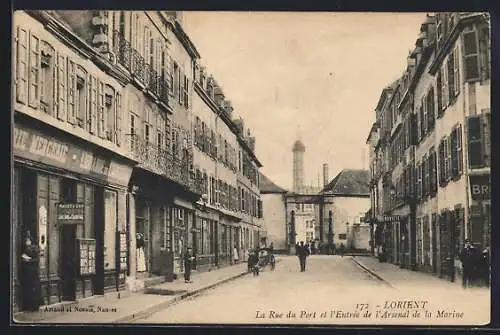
{"x":240,"y":125}
{"x":219,"y":95}
{"x":325,"y":174}
{"x":228,"y":107}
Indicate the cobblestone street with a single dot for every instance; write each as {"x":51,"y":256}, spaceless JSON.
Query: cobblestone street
{"x":330,"y":284}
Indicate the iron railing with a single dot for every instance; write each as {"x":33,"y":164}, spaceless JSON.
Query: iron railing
{"x":162,"y":162}
{"x":133,"y":61}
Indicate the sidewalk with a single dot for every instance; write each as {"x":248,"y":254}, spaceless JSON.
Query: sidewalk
{"x":398,"y":278}
{"x":126,"y":307}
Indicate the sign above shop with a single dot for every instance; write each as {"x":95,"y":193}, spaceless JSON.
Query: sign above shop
{"x":70,"y":213}
{"x":480,"y":187}
{"x":387,"y":218}
{"x":34,"y":145}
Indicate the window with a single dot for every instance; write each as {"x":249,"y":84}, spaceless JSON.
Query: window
{"x":196,"y":132}
{"x":81,"y":97}
{"x":447,"y":158}
{"x":342,"y":236}
{"x":243,"y":196}
{"x":47,"y":79}
{"x":159,"y":141}
{"x":433,"y":172}
{"x":22,"y":65}
{"x":419,"y":180}
{"x":34,"y":78}
{"x":110,"y":116}
{"x":471,"y":57}
{"x":456,"y":152}
{"x":132,"y":132}
{"x":442,"y":169}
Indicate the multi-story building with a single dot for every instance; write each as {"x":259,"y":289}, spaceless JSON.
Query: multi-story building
{"x":218,"y":145}
{"x":442,"y":194}
{"x":72,"y":161}
{"x":104,"y":151}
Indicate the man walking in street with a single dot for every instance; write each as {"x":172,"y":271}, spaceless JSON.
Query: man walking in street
{"x":303,"y":252}
{"x":467,"y":259}
{"x":188,"y":265}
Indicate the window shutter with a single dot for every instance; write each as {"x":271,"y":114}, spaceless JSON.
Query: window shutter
{"x":170,"y":74}
{"x":475,"y":142}
{"x":454,"y":157}
{"x":93,"y":104}
{"x":451,"y":77}
{"x":180,"y":85}
{"x":61,"y":90}
{"x":456,"y":70}
{"x":444,"y":79}
{"x":485,"y":52}
{"x":421,"y":123}
{"x":441,"y":164}
{"x":449,"y":150}
{"x":101,"y":131}
{"x":439,"y":89}
{"x":186,"y":91}
{"x":471,"y":57}
{"x":430,"y":109}
{"x":425,"y":119}
{"x":34,"y":77}
{"x":118,"y":114}
{"x":486,"y":136}
{"x":71,"y":91}
{"x":22,"y":65}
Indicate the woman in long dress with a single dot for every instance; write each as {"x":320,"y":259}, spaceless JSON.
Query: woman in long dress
{"x":141,"y":257}
{"x":236,"y":257}
{"x":29,"y":278}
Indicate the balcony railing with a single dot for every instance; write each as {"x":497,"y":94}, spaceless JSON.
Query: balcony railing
{"x":162,"y":162}
{"x":133,"y":61}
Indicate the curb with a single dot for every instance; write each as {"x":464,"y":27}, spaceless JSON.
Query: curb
{"x":371,"y":272}
{"x":153,"y":309}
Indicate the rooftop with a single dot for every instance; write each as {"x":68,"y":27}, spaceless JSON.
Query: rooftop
{"x":267,"y":186}
{"x":349,"y":182}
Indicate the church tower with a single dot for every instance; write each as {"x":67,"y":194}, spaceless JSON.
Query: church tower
{"x":298,"y":165}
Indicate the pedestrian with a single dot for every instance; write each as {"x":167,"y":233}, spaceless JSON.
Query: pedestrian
{"x":236,"y":257}
{"x":303,"y":253}
{"x":467,"y":259}
{"x":188,"y":265}
{"x":29,"y":276}
{"x":484,"y":268}
{"x":341,"y":249}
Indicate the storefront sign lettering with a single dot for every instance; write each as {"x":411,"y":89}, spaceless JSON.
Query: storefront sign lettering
{"x":21,"y":138}
{"x":68,"y":213}
{"x":394,"y":218}
{"x":86,"y":160}
{"x":49,"y":148}
{"x":480,"y":187}
{"x":100,"y":166}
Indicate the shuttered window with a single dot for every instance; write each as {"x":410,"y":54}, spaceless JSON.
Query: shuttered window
{"x":444,"y":90}
{"x":186,"y":91}
{"x":22,"y":65}
{"x":456,"y":72}
{"x":433,"y":172}
{"x":430,"y":109}
{"x":471,"y":56}
{"x":180,"y":85}
{"x":485,"y":52}
{"x":419,"y":180}
{"x":447,"y":158}
{"x":92,"y":117}
{"x":34,"y":78}
{"x":47,"y":78}
{"x":451,"y":77}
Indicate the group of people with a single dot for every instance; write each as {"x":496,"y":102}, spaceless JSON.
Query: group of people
{"x":475,"y":265}
{"x":259,"y":258}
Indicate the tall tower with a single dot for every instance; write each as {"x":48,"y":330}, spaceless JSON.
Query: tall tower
{"x":298,"y":165}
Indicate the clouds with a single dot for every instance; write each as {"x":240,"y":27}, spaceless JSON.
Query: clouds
{"x":275,"y":68}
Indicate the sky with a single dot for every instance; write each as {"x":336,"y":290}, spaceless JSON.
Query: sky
{"x":313,"y":76}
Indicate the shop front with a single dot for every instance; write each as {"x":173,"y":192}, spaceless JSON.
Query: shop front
{"x":204,"y":234}
{"x":479,"y":228}
{"x":70,"y":199}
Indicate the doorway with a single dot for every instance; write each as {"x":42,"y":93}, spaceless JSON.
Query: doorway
{"x":68,"y":261}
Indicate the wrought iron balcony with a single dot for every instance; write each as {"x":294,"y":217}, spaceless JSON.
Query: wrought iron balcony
{"x":133,"y":61}
{"x":162,"y":162}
